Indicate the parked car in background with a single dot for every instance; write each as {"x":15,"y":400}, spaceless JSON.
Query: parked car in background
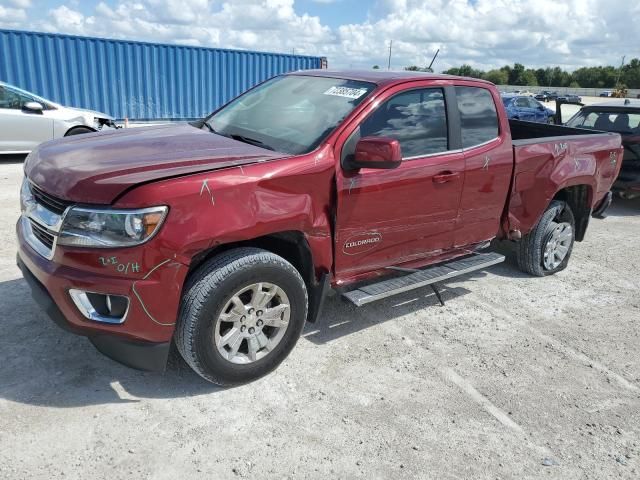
{"x":570,"y":97}
{"x":623,"y":117}
{"x":606,"y":93}
{"x":520,"y":107}
{"x":546,"y":96}
{"x":224,"y":235}
{"x":26,"y":120}
{"x":525,"y":93}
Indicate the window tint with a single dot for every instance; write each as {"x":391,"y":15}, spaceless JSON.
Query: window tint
{"x":522,"y":102}
{"x":417,"y":119}
{"x":478,"y":117}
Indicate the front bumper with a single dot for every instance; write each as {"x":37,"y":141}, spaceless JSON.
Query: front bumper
{"x":143,"y":339}
{"x":141,"y":355}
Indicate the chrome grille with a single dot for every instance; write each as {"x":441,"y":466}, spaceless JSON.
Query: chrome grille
{"x":42,"y":218}
{"x":42,"y":234}
{"x":51,"y":203}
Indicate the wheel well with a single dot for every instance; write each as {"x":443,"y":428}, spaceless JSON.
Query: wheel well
{"x":82,"y":127}
{"x":578,"y":197}
{"x":290,"y":245}
{"x":293,"y":247}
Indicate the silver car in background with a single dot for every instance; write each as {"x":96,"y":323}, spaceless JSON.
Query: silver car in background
{"x":26,"y":120}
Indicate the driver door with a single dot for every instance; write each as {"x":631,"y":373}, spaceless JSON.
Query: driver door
{"x":389,"y":217}
{"x":21,"y":131}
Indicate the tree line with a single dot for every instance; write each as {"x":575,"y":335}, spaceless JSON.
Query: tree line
{"x":628,"y":76}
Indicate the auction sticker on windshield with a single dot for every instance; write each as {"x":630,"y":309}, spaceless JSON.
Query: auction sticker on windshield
{"x":346,"y":92}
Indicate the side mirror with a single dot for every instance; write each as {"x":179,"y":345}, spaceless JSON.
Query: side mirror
{"x":32,"y":107}
{"x":541,"y":108}
{"x":377,"y":152}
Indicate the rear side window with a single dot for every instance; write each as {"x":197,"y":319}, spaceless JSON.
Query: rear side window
{"x":478,"y":116}
{"x":416,"y":118}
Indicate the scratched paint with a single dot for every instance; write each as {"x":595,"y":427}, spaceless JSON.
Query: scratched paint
{"x":142,"y":304}
{"x":205,"y":187}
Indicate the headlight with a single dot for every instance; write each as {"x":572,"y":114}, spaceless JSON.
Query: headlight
{"x":84,"y":227}
{"x":26,"y":197}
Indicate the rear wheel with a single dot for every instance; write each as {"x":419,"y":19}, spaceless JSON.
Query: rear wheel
{"x":241,"y":315}
{"x":547,"y":248}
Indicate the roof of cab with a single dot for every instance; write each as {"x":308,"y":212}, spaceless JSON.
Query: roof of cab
{"x":382,"y":77}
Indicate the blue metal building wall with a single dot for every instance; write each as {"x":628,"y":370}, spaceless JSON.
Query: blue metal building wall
{"x":135,"y":79}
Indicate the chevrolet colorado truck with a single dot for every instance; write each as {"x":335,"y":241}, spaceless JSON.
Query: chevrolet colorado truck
{"x":225,"y":235}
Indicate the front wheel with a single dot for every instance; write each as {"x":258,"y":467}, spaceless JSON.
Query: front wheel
{"x":241,"y":315}
{"x":547,"y":248}
{"x":79,"y":131}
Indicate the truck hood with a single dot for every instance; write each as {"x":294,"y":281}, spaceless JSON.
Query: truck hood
{"x":97,"y":168}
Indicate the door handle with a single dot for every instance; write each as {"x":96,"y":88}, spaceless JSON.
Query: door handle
{"x":445,"y":177}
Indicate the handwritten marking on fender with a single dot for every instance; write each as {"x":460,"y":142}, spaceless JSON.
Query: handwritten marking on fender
{"x":124,"y":267}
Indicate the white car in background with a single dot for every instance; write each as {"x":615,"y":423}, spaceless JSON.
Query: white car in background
{"x":26,"y":120}
{"x":523,"y":93}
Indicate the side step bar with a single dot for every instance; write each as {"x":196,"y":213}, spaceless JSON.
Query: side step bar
{"x":422,"y":278}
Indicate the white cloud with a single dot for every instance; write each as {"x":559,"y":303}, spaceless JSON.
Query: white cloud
{"x":12,"y":17}
{"x":484,"y":33}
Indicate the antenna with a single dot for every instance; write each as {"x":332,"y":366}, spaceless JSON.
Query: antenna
{"x":620,"y":72}
{"x":389,"y":63}
{"x":433,"y":60}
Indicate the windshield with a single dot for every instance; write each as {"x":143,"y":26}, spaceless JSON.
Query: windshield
{"x":623,"y":122}
{"x":291,"y":114}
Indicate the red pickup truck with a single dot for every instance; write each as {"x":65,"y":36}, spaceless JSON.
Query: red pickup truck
{"x":225,"y":235}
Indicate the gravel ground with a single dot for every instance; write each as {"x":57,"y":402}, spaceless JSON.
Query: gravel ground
{"x":516,"y":377}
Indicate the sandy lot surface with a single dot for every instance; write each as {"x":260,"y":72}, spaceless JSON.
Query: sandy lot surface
{"x":516,"y":377}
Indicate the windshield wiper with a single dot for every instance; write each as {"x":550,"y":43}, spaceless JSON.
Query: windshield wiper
{"x":251,"y":141}
{"x":211,"y":129}
{"x":240,"y":138}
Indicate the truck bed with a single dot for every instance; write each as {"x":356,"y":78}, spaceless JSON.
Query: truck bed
{"x":545,"y":156}
{"x":526,"y":133}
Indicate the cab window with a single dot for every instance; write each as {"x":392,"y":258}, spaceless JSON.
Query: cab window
{"x":478,"y":116}
{"x":416,"y":118}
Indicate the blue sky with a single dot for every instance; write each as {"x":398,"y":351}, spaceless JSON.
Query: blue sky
{"x":335,"y":14}
{"x":356,"y":33}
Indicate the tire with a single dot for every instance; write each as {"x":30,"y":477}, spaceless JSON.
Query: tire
{"x":79,"y":131}
{"x":532,"y":254}
{"x":216,"y":291}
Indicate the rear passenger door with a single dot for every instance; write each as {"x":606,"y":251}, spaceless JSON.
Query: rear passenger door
{"x":488,"y":157}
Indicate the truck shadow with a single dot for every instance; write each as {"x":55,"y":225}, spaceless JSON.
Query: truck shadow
{"x":340,"y":317}
{"x":622,"y":207}
{"x":46,"y":366}
{"x":43,"y":365}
